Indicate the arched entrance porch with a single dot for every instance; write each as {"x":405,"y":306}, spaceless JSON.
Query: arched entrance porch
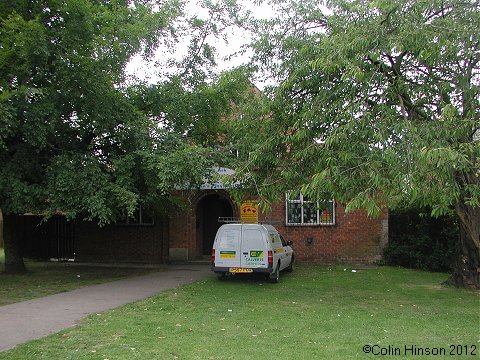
{"x":209,"y":208}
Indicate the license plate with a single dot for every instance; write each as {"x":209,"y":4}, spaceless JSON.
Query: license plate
{"x":240,"y":270}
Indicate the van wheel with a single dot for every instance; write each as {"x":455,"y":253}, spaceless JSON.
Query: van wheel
{"x":276,"y":275}
{"x":290,"y":267}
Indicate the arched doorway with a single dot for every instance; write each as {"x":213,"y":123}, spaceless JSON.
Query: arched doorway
{"x":209,"y":209}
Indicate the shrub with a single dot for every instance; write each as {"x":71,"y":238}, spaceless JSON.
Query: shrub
{"x":419,"y":241}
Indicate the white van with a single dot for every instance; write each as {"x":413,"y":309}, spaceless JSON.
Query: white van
{"x":251,"y":248}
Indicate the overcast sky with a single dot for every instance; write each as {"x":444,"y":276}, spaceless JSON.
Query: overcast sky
{"x":150,"y":71}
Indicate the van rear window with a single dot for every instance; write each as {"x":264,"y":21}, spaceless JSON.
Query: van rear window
{"x":253,"y":235}
{"x":229,"y":239}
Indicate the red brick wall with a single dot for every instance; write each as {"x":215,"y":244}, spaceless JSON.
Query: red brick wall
{"x":183,"y":226}
{"x":354,"y":238}
{"x":119,"y":243}
{"x":182,"y":234}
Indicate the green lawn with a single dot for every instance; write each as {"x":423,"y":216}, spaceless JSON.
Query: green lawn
{"x":47,"y":278}
{"x":313,"y":313}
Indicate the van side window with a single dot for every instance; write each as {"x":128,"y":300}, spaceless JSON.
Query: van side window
{"x":276,"y":241}
{"x":284,"y":243}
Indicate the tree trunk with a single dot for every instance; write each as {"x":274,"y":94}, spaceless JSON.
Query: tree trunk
{"x":13,"y":248}
{"x":1,"y":229}
{"x":467,"y":269}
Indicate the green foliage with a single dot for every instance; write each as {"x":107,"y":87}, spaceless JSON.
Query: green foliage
{"x":204,"y":30}
{"x":69,"y":137}
{"x":200,"y":112}
{"x":377,"y":103}
{"x":189,"y":130}
{"x":72,"y":136}
{"x":417,"y":240}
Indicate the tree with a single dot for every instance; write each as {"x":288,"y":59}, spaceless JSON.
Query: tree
{"x":377,"y":104}
{"x":189,"y":140}
{"x":71,"y":140}
{"x":75,"y":136}
{"x":199,"y":110}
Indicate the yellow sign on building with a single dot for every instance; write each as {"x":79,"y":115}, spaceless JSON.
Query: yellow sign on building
{"x":249,"y":212}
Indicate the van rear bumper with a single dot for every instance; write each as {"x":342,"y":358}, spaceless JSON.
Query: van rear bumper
{"x":220,"y":269}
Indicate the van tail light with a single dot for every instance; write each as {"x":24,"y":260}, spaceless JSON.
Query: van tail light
{"x":270,"y":258}
{"x":213,"y":256}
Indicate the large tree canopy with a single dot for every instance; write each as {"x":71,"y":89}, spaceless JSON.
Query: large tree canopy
{"x":377,"y":104}
{"x":67,"y":129}
{"x":72,"y":137}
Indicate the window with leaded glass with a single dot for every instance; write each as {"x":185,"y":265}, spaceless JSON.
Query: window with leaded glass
{"x":300,"y":210}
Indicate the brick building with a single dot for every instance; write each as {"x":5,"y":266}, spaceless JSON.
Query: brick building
{"x":325,"y":236}
{"x":321,"y":233}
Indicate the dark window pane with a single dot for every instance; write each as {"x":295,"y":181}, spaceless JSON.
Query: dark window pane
{"x":294,"y":213}
{"x":309,"y":213}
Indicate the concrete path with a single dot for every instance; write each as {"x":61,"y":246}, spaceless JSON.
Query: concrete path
{"x":33,"y":319}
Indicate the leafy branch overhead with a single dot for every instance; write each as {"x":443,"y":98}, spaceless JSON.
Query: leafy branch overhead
{"x":376,"y":103}
{"x":74,"y":136}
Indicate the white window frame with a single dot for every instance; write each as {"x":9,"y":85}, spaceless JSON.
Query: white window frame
{"x":301,"y":201}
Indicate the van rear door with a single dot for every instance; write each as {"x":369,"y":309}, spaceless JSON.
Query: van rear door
{"x":227,"y":247}
{"x":254,"y":247}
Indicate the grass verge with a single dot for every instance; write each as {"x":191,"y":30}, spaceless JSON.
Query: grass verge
{"x":48,"y":278}
{"x":313,"y":313}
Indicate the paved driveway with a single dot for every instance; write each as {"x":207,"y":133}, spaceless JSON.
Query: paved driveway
{"x":33,"y":319}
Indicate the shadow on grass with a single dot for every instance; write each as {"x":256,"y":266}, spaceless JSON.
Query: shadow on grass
{"x":48,"y":278}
